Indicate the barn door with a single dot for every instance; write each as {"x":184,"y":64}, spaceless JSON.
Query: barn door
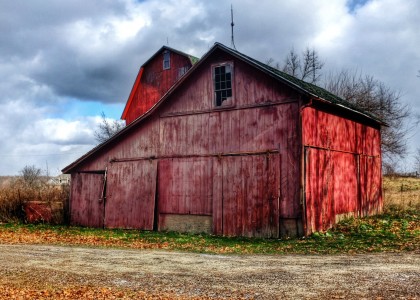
{"x":87,"y":203}
{"x":130,"y":194}
{"x":331,"y":188}
{"x":250,"y":195}
{"x":185,"y":194}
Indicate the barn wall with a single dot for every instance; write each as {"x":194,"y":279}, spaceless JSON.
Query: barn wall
{"x":342,"y":169}
{"x":155,"y":82}
{"x":87,"y":202}
{"x":130,"y":195}
{"x":205,"y":155}
{"x":248,"y":89}
{"x":140,"y":143}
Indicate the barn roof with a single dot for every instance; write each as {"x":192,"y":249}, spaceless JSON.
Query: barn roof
{"x":192,"y":59}
{"x":309,"y":89}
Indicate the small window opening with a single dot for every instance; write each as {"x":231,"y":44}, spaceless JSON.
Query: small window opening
{"x":222,"y":83}
{"x":166,"y":60}
{"x":182,"y":71}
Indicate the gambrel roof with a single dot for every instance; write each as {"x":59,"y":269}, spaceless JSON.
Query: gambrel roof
{"x":191,"y":58}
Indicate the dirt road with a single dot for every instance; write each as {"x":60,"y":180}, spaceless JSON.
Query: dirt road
{"x":217,"y":276}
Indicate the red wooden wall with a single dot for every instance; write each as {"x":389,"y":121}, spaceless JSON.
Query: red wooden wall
{"x":153,"y":83}
{"x":239,"y":166}
{"x":342,"y":169}
{"x":87,"y":204}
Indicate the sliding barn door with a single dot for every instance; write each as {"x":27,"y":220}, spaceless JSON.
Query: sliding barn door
{"x":87,"y":205}
{"x":249,"y":191}
{"x":185,"y":194}
{"x":130,"y":194}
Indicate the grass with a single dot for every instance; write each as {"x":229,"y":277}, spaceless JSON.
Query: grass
{"x":397,"y":229}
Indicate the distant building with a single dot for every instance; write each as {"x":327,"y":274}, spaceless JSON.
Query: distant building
{"x":61,"y":179}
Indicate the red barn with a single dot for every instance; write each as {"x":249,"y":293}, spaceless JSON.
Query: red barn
{"x":232,"y":147}
{"x":154,"y":79}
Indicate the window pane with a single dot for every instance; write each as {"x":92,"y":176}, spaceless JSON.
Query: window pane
{"x":222,"y":83}
{"x":218,"y":98}
{"x":228,"y":85}
{"x":166,"y":60}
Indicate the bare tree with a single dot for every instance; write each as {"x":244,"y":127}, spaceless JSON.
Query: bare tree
{"x":107,"y":128}
{"x":365,"y":92}
{"x":312,"y":66}
{"x":376,"y":98}
{"x":292,"y":64}
{"x":31,"y":175}
{"x":306,"y":68}
{"x":270,"y":62}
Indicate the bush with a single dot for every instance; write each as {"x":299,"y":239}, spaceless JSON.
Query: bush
{"x":15,"y":198}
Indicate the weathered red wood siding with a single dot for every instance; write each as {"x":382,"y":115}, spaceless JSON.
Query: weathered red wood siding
{"x":130,"y":195}
{"x":342,"y":168}
{"x":87,"y":205}
{"x":238,"y":164}
{"x":155,"y":82}
{"x":250,"y":193}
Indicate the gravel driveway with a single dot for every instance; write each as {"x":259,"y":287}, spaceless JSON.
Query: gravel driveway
{"x":369,"y":276}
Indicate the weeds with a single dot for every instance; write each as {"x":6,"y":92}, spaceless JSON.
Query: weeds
{"x":16,"y":197}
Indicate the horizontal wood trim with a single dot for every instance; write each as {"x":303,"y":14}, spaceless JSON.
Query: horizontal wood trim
{"x":341,"y":151}
{"x":227,"y":108}
{"x":184,"y":214}
{"x":92,"y":172}
{"x":195,"y":155}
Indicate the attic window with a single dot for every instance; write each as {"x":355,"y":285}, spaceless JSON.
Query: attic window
{"x":166,"y":60}
{"x":222,"y":79}
{"x":182,"y":71}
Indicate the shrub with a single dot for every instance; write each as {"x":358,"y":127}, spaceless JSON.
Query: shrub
{"x":16,"y":196}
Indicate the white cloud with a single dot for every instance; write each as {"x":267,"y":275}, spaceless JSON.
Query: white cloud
{"x":54,"y":52}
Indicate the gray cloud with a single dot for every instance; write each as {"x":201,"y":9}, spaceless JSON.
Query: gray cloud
{"x":55,"y":55}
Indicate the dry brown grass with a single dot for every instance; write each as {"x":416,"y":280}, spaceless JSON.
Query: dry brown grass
{"x":401,"y":192}
{"x":17,"y":193}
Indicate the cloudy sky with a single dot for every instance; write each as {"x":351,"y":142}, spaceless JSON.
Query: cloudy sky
{"x":64,"y":62}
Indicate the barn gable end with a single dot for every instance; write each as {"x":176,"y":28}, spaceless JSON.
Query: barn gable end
{"x":224,"y":151}
{"x":154,"y":79}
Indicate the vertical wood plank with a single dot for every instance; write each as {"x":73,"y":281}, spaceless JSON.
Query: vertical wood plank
{"x":131,"y":195}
